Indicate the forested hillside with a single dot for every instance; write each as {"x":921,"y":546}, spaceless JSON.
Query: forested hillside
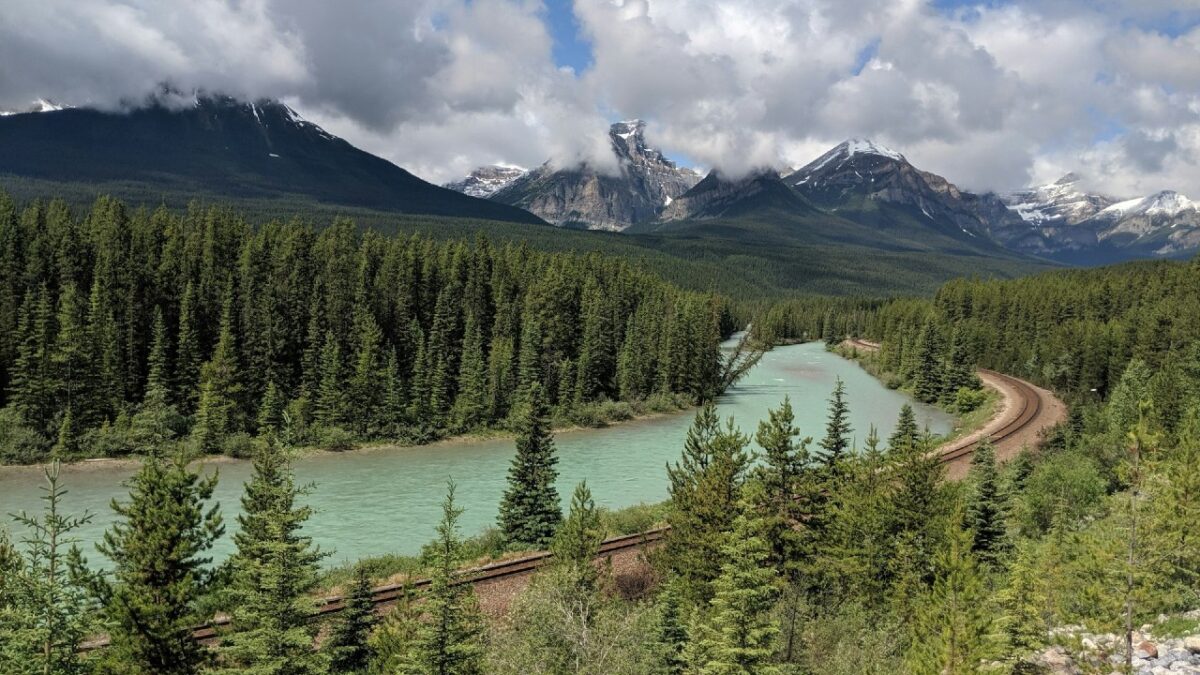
{"x":121,"y":329}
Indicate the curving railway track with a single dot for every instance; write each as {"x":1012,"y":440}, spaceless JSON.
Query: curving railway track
{"x":1027,"y":412}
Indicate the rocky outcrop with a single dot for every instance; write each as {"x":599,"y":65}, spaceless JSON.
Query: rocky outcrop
{"x":643,"y":183}
{"x":720,"y":197}
{"x":1077,"y":651}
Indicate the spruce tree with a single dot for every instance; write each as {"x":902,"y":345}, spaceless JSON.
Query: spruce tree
{"x":366,"y":383}
{"x":836,"y":442}
{"x":270,"y":418}
{"x":705,"y":488}
{"x":530,"y":511}
{"x":330,"y":404}
{"x":348,"y":644}
{"x":187,"y":353}
{"x":987,"y":508}
{"x":736,"y":633}
{"x":928,"y":368}
{"x":156,"y":420}
{"x":670,"y":631}
{"x":449,"y":640}
{"x":788,"y":489}
{"x":45,"y":611}
{"x":906,"y":434}
{"x":577,"y":542}
{"x":220,"y":388}
{"x":1024,"y":604}
{"x":273,"y":572}
{"x":151,"y":601}
{"x":953,"y":630}
{"x":470,"y":407}
{"x":960,"y":366}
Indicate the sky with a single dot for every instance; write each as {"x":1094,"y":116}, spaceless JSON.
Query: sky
{"x":992,"y":94}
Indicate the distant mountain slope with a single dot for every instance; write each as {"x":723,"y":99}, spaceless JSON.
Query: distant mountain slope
{"x":487,"y":180}
{"x":1065,"y":222}
{"x":866,"y":182}
{"x":224,"y":148}
{"x":644,"y":183}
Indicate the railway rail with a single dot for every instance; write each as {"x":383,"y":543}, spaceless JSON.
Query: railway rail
{"x":391,"y":593}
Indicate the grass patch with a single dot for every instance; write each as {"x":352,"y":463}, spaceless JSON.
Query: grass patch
{"x":1177,"y":627}
{"x":481,"y":549}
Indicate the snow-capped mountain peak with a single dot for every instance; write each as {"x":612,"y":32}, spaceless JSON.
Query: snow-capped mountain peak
{"x":487,"y":180}
{"x":1062,"y":201}
{"x":861,"y":146}
{"x":1165,"y":203}
{"x":41,"y":105}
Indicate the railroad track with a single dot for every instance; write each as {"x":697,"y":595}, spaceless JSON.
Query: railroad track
{"x":389,"y":593}
{"x":1029,"y":402}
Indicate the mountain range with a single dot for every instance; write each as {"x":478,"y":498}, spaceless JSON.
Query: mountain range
{"x":858,"y":193}
{"x":857,"y":180}
{"x":223,"y":148}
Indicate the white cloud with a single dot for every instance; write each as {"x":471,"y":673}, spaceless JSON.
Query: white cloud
{"x":990,"y":96}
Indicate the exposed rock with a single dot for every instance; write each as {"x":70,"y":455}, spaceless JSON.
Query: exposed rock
{"x":1192,"y":644}
{"x":642,"y":185}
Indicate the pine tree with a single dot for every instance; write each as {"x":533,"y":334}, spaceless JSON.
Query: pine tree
{"x":953,"y":629}
{"x":928,"y":370}
{"x":331,"y":409}
{"x":35,"y":389}
{"x":670,"y":631}
{"x":273,"y":571}
{"x":157,"y":419}
{"x":270,"y":418}
{"x":1024,"y":604}
{"x":530,"y":511}
{"x":529,"y":358}
{"x":736,"y":634}
{"x":960,"y":367}
{"x":987,"y":508}
{"x":348,"y":644}
{"x":788,"y":490}
{"x":577,"y":542}
{"x":366,"y":384}
{"x":72,"y":369}
{"x":836,"y":443}
{"x":151,"y":603}
{"x":187,"y":353}
{"x":44,"y":605}
{"x":470,"y":407}
{"x":705,"y":487}
{"x":906,"y":435}
{"x":218,"y":413}
{"x":448,"y":641}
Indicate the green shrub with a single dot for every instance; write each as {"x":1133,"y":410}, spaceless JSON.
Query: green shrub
{"x":334,"y":439}
{"x":239,"y":445}
{"x":1066,"y":486}
{"x":967,"y":400}
{"x":19,"y":443}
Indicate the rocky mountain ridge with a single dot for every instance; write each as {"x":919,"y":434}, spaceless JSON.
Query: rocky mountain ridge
{"x":643,"y":185}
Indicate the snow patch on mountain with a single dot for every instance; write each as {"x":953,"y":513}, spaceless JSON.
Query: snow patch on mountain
{"x":487,"y":180}
{"x":1166,"y":203}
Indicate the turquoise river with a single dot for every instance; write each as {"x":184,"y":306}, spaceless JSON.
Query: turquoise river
{"x":386,"y":500}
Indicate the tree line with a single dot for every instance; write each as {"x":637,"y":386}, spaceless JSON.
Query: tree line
{"x":119,"y":329}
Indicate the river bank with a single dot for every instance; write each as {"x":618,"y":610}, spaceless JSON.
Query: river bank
{"x":385,"y":500}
